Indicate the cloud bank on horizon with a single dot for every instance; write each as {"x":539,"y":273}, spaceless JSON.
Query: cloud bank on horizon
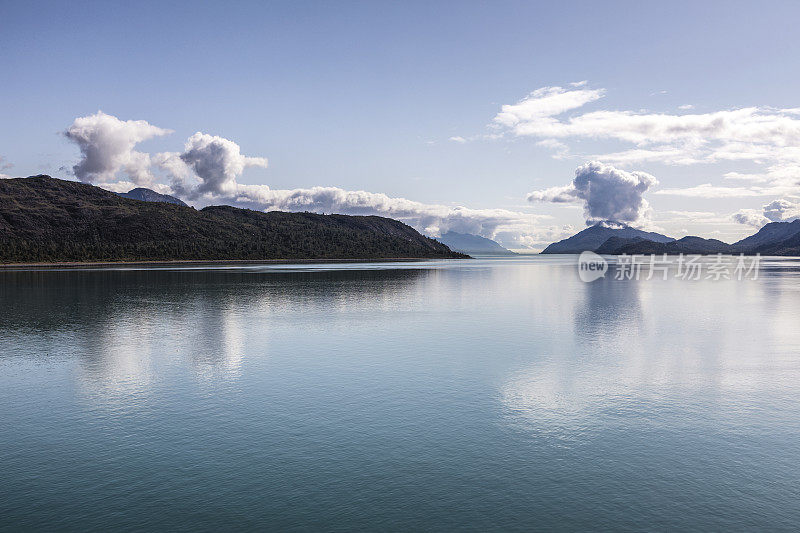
{"x":208,"y":168}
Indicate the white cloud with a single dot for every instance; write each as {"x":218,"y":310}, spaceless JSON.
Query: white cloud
{"x":432,"y":219}
{"x":750,"y":217}
{"x":782,"y":210}
{"x":661,"y":154}
{"x":776,"y":180}
{"x":107,"y":147}
{"x":117,"y":186}
{"x":685,"y":107}
{"x":691,"y":214}
{"x":740,"y":176}
{"x":215,"y":161}
{"x":607,"y":193}
{"x":560,"y":150}
{"x":552,"y":143}
{"x":679,"y":219}
{"x":458,"y":139}
{"x":534,"y":241}
{"x":706,"y":190}
{"x":750,"y":125}
{"x":543,"y":104}
{"x":125,"y":186}
{"x":759,"y":135}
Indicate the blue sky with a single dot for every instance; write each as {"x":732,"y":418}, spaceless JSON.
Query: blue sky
{"x":366,"y":96}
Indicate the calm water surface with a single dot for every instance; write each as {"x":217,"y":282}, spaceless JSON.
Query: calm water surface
{"x":491,"y":394}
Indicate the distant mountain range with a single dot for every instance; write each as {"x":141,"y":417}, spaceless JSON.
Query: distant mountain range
{"x":472,"y":244}
{"x":43,"y":219}
{"x":149,"y":195}
{"x":595,"y":236}
{"x":776,"y":238}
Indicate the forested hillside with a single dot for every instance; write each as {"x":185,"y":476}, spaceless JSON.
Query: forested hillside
{"x":43,"y":219}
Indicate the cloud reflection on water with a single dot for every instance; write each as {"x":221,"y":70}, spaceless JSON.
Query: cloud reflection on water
{"x":637,"y":348}
{"x":131,"y":329}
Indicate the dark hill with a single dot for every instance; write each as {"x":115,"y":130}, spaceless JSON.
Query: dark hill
{"x":770,"y":236}
{"x":686,"y":245}
{"x":149,"y":195}
{"x":43,"y":219}
{"x":790,"y":246}
{"x":594,"y":236}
